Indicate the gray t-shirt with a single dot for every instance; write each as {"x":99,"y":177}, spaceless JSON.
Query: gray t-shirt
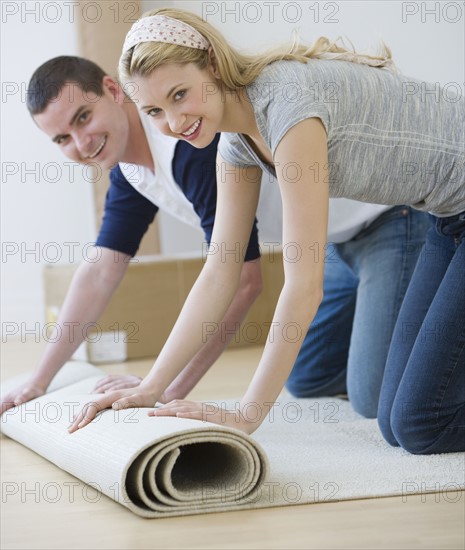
{"x":392,"y":139}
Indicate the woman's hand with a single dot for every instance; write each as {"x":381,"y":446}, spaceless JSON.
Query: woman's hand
{"x":114,"y":382}
{"x":207,"y":412}
{"x":121,"y":399}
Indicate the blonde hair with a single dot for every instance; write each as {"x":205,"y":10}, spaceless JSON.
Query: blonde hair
{"x":236,"y":69}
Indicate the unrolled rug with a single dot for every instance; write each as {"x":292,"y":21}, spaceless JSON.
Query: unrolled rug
{"x":306,"y":450}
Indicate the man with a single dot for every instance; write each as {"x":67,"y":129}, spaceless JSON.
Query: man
{"x":90,"y":118}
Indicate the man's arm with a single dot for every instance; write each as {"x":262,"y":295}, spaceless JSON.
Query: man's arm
{"x":90,"y":291}
{"x":127,"y":217}
{"x":249,"y":289}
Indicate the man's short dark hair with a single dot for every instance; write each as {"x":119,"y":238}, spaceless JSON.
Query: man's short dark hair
{"x":49,"y":79}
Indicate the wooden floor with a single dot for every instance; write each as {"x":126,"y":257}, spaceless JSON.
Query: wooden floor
{"x":44,"y":507}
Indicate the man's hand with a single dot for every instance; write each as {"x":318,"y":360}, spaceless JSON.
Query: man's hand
{"x":114,"y":382}
{"x":121,"y":399}
{"x":208,"y":412}
{"x":27,"y":391}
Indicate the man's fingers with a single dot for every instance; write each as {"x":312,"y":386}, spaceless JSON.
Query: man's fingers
{"x":24,"y":396}
{"x":116,"y":382}
{"x":111,"y":386}
{"x":100,"y":389}
{"x":101,"y":384}
{"x":10,"y":402}
{"x":121,"y":386}
{"x":6,"y":405}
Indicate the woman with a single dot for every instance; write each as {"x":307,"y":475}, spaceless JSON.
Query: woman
{"x":325,"y":120}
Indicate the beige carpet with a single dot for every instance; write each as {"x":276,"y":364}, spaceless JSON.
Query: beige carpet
{"x":307,"y":450}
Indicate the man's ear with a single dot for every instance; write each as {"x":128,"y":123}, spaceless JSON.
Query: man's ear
{"x":114,"y":88}
{"x":213,"y":63}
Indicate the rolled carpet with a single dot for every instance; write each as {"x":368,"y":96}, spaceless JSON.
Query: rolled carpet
{"x":156,"y":467}
{"x":317,"y":450}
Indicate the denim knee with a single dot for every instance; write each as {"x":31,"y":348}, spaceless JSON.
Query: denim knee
{"x":384,"y":424}
{"x":297,"y":390}
{"x":364,"y":407}
{"x":307,"y":387}
{"x":420,"y":435}
{"x":415,"y":438}
{"x":300,"y":390}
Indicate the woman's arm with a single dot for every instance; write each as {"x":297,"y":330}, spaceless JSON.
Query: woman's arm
{"x":305,"y":212}
{"x":305,"y":217}
{"x":210,"y":297}
{"x":249,"y":289}
{"x":302,"y":151}
{"x":214,"y":290}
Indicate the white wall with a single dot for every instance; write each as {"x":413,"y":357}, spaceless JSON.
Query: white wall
{"x":424,"y":44}
{"x":38,"y":207}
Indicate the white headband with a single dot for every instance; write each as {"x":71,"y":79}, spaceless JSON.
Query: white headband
{"x":161,"y":28}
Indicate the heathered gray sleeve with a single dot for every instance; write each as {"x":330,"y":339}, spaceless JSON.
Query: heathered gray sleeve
{"x":391,"y":139}
{"x":233,"y":151}
{"x":283,"y":96}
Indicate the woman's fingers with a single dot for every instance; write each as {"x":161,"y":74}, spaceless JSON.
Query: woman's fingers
{"x":169,"y":412}
{"x":123,"y":399}
{"x":126,"y":403}
{"x":205,"y":412}
{"x":88,"y":413}
{"x":140,"y":399}
{"x":194,"y":415}
{"x":90,"y":410}
{"x":179,"y":407}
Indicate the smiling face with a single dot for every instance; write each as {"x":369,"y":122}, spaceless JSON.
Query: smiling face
{"x":182,"y":101}
{"x":86,"y":127}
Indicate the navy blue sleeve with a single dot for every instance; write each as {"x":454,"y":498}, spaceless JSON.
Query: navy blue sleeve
{"x":127,"y":216}
{"x":194,"y":170}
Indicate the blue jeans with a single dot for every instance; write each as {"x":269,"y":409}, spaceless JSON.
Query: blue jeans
{"x":366,"y":278}
{"x":422,"y":402}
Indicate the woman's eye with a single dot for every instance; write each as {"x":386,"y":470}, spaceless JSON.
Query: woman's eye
{"x":61,"y":140}
{"x":179,"y":95}
{"x":153,"y":112}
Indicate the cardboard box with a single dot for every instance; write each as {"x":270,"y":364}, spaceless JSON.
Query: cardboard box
{"x":143,"y":310}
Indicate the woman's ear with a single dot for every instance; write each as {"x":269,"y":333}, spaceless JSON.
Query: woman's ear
{"x":213,"y":64}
